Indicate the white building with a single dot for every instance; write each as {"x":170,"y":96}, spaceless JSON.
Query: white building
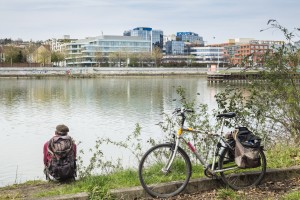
{"x":84,"y":53}
{"x":208,"y":55}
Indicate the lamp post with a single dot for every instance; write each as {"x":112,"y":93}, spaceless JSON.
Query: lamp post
{"x":218,"y":59}
{"x":218,"y":56}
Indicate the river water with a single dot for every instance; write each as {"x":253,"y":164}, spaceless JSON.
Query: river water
{"x":30,"y":109}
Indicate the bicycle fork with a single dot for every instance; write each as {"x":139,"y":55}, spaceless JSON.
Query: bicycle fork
{"x":166,"y":168}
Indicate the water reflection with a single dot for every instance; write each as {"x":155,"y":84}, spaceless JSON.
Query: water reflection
{"x":92,"y":108}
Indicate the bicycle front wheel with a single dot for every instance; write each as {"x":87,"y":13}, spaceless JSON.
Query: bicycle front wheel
{"x":155,"y":179}
{"x":238,"y":178}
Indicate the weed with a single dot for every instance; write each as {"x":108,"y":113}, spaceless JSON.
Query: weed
{"x":227,"y":194}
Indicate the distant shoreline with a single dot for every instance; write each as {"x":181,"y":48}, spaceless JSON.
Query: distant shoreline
{"x":93,"y":72}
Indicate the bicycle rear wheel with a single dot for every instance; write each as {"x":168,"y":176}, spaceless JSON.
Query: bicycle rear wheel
{"x":155,"y":180}
{"x":239,"y":178}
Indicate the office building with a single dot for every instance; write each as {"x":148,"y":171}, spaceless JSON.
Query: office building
{"x":174,"y":47}
{"x":190,"y":37}
{"x":87,"y":52}
{"x":208,"y":54}
{"x":154,"y":36}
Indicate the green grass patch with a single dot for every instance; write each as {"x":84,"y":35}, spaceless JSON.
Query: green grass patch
{"x":11,"y":196}
{"x":197,"y":171}
{"x":154,"y":174}
{"x":99,"y":186}
{"x":96,"y":184}
{"x":281,"y":156}
{"x":292,"y":196}
{"x":70,"y":188}
{"x":227,"y":193}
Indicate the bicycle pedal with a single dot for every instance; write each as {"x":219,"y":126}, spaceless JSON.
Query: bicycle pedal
{"x":208,"y":173}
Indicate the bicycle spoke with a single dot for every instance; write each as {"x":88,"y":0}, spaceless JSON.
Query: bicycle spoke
{"x":241,"y":178}
{"x":152,"y":175}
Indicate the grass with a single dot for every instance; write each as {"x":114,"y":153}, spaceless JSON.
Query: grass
{"x":278,"y":157}
{"x":100,"y":185}
{"x":227,"y":194}
{"x":282,"y":156}
{"x":96,"y":184}
{"x":292,"y":196}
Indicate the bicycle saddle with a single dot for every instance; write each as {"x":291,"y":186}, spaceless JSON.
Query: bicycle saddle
{"x":227,"y":115}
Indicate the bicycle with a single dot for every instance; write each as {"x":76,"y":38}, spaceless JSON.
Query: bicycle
{"x":169,"y":162}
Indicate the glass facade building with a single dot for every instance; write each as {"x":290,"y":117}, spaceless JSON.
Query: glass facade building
{"x":155,"y":36}
{"x":83,"y":53}
{"x":190,"y":37}
{"x":208,"y":54}
{"x":174,"y":47}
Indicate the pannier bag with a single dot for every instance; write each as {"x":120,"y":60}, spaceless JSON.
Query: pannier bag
{"x":246,"y":148}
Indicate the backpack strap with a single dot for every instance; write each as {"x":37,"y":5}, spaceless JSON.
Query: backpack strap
{"x":49,"y":147}
{"x":235,"y":133}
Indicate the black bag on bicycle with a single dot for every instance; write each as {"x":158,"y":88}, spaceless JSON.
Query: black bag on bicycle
{"x":246,"y":148}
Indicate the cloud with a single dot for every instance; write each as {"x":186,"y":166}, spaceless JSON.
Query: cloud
{"x":44,"y":19}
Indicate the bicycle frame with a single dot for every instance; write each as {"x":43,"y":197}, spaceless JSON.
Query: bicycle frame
{"x":179,"y":137}
{"x":175,"y":164}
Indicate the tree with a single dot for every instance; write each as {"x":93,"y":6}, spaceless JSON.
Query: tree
{"x":20,"y":57}
{"x":44,"y":56}
{"x":157,"y":55}
{"x":28,"y":52}
{"x":133,"y":57}
{"x":282,"y":89}
{"x":119,"y":58}
{"x":11,"y":54}
{"x":114,"y":58}
{"x":144,"y":57}
{"x":272,"y":105}
{"x":57,"y":57}
{"x":99,"y":58}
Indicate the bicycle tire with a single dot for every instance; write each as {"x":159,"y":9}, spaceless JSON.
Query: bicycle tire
{"x":161,"y":184}
{"x":241,"y":178}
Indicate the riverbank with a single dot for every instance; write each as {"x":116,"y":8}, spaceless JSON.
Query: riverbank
{"x":282,"y":162}
{"x":90,"y":72}
{"x":278,"y":183}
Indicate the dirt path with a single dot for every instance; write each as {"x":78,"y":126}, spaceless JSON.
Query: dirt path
{"x":269,"y":191}
{"x":26,"y":191}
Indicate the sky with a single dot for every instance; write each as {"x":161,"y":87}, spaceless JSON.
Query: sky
{"x":215,"y":20}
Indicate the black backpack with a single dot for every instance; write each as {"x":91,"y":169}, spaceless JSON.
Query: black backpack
{"x":62,"y":165}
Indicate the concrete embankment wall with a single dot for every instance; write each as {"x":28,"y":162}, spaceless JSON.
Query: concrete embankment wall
{"x":97,"y":71}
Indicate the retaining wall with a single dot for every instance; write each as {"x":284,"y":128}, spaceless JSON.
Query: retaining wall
{"x":96,"y":71}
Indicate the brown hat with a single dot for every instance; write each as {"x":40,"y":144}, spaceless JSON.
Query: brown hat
{"x":62,"y":129}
